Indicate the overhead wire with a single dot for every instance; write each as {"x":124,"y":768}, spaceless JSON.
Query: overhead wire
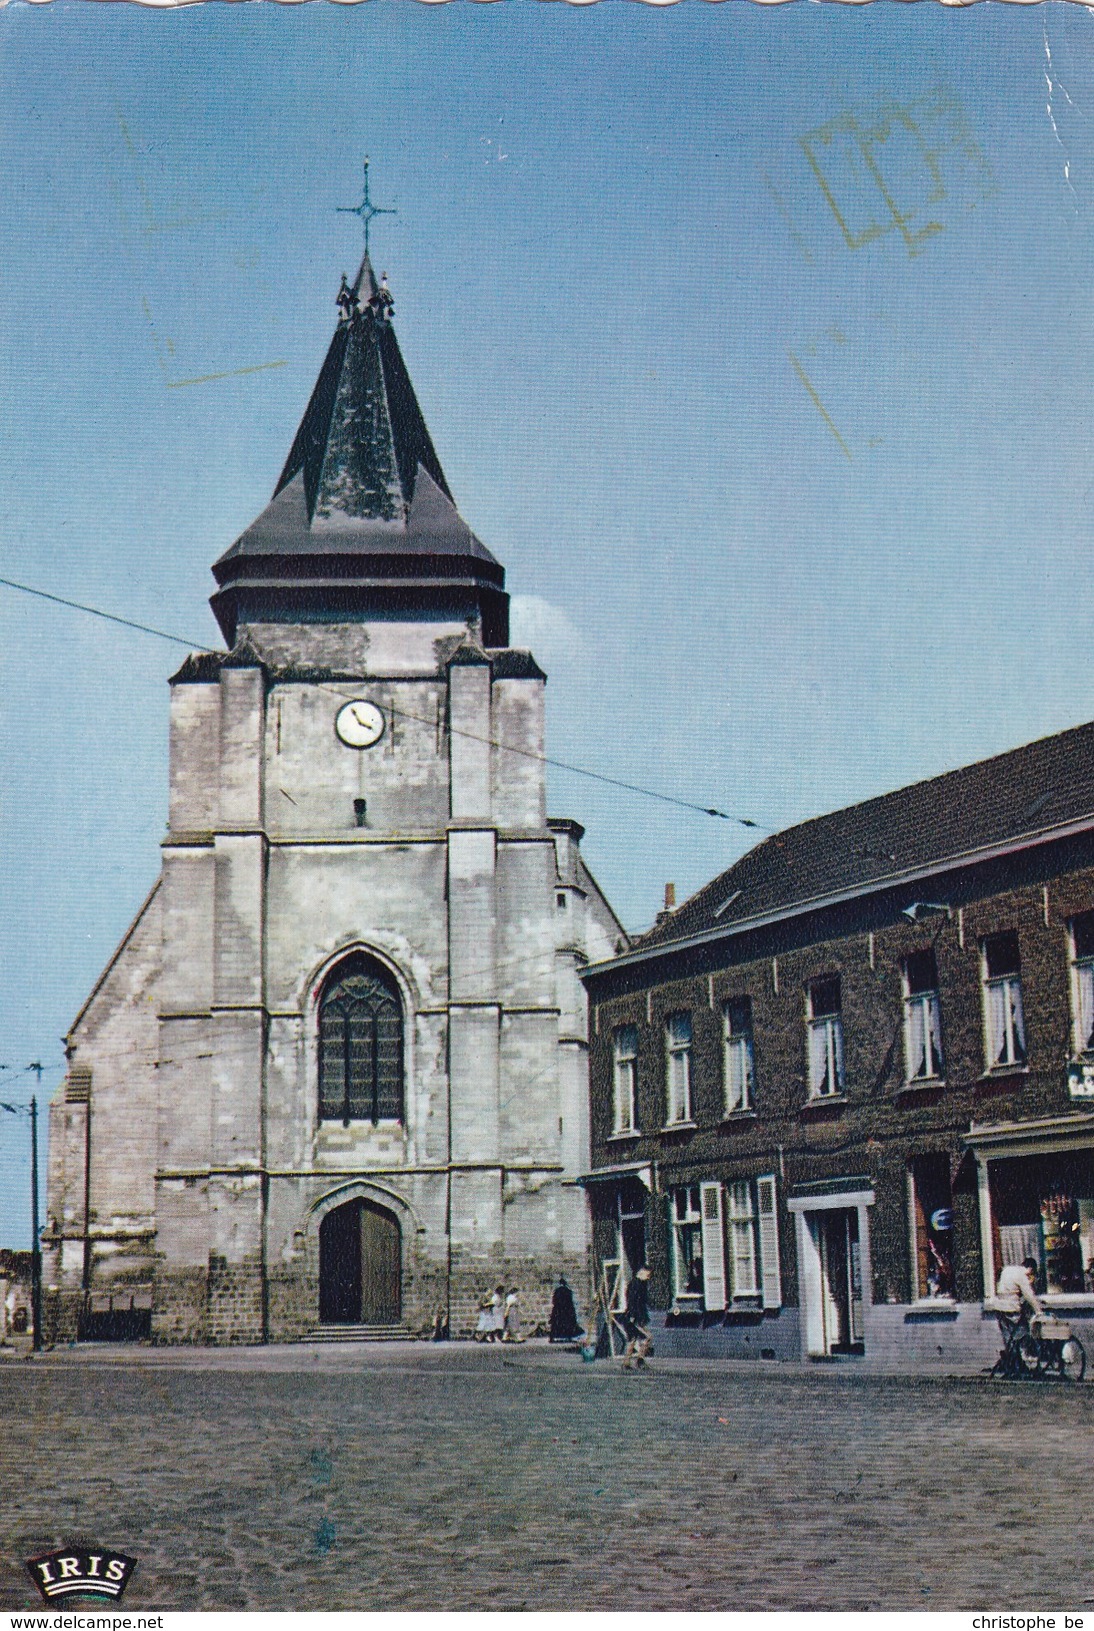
{"x":504,"y":747}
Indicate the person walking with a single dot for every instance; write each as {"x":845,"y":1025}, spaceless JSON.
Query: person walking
{"x":636,"y":1320}
{"x":562,"y":1325}
{"x":491,"y":1321}
{"x":511,"y":1332}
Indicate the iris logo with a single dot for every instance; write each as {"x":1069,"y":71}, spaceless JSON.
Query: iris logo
{"x":103,"y":1575}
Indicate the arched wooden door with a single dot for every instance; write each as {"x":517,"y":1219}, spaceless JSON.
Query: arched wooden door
{"x":360,"y":1266}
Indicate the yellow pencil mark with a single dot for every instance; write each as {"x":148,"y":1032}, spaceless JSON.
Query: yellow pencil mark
{"x":164,"y":344}
{"x":784,"y":211}
{"x":229,"y":373}
{"x":897,"y":155}
{"x":152,"y":224}
{"x":865,"y":141}
{"x":819,"y":405}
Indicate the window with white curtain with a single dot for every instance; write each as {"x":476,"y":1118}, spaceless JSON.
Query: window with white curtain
{"x":625,"y":1078}
{"x":741,"y":1232}
{"x":737,"y":1054}
{"x":922,"y":1018}
{"x":1082,"y":980}
{"x":825,"y":1037}
{"x":678,"y":1068}
{"x":1004,"y":1026}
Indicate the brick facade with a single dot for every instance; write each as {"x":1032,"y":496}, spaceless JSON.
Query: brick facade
{"x":856,"y":1160}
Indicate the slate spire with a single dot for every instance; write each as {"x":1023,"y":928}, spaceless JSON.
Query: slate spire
{"x":362,"y":521}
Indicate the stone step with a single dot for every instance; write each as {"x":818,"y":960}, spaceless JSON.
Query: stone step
{"x":360,"y":1333}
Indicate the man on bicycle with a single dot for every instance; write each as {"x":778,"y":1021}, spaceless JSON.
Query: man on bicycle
{"x":1015,"y":1291}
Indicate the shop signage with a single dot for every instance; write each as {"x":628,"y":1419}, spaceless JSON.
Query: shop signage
{"x":1080,"y":1079}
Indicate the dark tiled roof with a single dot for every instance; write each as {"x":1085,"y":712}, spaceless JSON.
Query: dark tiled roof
{"x":362,"y":504}
{"x":998,"y":801}
{"x":362,"y":474}
{"x":513,"y":664}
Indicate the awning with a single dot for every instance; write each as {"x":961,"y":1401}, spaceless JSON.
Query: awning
{"x":1039,"y":1137}
{"x":642,"y":1170}
{"x":853,"y":1184}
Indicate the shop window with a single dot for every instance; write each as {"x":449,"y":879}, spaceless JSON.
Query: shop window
{"x":1004,"y":1026}
{"x":825,"y":1038}
{"x":932,"y":1226}
{"x":737,"y":1054}
{"x":624,"y":1078}
{"x":678,"y":1068}
{"x":1082,"y":980}
{"x":1043,"y":1207}
{"x":922,"y":1019}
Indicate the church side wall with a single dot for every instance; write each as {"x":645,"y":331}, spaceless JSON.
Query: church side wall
{"x":112,"y":1086}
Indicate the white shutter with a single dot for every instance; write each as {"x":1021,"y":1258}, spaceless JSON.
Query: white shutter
{"x":769,"y":1242}
{"x":714,"y":1263}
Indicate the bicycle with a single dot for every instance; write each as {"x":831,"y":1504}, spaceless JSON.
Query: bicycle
{"x":1044,"y":1347}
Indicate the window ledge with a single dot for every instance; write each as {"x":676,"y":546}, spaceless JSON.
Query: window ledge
{"x":1001,"y":1073}
{"x":680,"y":1127}
{"x":386,"y":1124}
{"x":922,"y":1084}
{"x":820,"y":1102}
{"x":688,"y":1302}
{"x":927,"y":1308}
{"x":624,"y":1138}
{"x":733,"y":1118}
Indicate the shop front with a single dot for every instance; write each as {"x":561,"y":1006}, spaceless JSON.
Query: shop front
{"x":617,"y":1201}
{"x":1036,"y":1193}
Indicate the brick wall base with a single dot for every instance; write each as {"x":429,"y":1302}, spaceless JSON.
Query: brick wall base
{"x":236,"y":1297}
{"x":180,"y":1306}
{"x":225,"y":1304}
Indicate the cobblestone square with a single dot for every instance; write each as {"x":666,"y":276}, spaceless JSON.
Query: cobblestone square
{"x":414,"y":1477}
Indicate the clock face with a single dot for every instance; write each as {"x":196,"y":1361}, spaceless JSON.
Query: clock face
{"x":359,"y":724}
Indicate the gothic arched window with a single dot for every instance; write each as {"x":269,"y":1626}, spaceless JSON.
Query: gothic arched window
{"x":360,"y":1044}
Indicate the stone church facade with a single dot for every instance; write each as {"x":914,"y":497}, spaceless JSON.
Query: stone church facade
{"x":336,"y":1073}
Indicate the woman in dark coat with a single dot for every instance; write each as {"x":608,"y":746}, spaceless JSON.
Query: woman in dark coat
{"x":563,"y":1326}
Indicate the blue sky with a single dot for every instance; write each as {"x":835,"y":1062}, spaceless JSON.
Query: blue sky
{"x":756,"y":342}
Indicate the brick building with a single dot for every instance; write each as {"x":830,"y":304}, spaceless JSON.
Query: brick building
{"x":849,"y":1079}
{"x":336,"y":1073}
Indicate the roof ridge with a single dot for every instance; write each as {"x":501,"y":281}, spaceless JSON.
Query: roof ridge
{"x":1021,"y":796}
{"x":925,"y":781}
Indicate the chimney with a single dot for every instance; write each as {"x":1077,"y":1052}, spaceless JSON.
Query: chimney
{"x":670,"y":904}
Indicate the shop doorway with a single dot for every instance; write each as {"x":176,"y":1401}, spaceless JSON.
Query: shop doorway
{"x":360,"y":1262}
{"x":835,"y":1236}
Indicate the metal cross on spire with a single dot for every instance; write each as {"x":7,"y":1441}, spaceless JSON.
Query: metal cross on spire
{"x":366,"y":209}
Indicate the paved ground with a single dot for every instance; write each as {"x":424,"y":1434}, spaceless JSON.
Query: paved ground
{"x":451,"y":1477}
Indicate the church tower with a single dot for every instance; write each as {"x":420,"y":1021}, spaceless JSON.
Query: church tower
{"x":335,"y":1076}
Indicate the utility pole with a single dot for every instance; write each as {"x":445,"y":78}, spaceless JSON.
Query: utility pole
{"x":35,"y":1243}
